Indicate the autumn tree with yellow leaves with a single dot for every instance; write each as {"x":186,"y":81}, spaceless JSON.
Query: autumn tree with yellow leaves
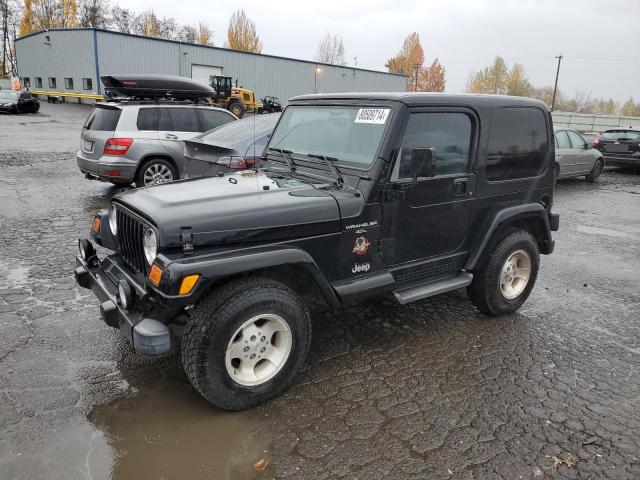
{"x":409,"y":61}
{"x":242,"y":34}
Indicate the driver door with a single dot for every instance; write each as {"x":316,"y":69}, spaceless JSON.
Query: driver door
{"x":427,"y":217}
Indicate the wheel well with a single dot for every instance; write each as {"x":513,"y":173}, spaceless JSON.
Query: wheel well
{"x":152,"y":156}
{"x":533,"y":224}
{"x":295,"y":277}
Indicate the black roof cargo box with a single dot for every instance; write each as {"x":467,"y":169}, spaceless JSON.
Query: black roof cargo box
{"x":155,"y":86}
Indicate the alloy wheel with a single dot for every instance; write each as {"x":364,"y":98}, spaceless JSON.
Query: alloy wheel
{"x":157,"y":173}
{"x":258,"y":349}
{"x":515,"y":274}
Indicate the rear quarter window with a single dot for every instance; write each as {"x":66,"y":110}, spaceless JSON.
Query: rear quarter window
{"x":518,"y":144}
{"x":103,"y":119}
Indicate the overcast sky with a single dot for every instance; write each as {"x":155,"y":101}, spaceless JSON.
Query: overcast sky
{"x":600,"y":39}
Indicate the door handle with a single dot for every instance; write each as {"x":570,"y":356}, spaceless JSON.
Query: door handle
{"x":170,"y":136}
{"x":460,"y":187}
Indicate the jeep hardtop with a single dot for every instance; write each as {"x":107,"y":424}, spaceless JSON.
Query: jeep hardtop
{"x":356,"y":195}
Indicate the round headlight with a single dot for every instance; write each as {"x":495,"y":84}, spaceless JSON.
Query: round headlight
{"x":150,"y":245}
{"x":113,"y":223}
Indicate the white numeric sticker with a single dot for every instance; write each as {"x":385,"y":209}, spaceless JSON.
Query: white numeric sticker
{"x":372,"y":115}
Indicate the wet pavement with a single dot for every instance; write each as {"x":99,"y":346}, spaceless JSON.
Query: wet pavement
{"x":428,"y":390}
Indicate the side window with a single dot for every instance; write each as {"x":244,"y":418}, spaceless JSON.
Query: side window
{"x":518,"y":144}
{"x":562,"y":141}
{"x":214,"y":118}
{"x":148,"y":119}
{"x":184,"y":119}
{"x":448,"y":133}
{"x":576,"y":140}
{"x":164,"y":121}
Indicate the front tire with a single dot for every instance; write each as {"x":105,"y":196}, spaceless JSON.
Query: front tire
{"x":504,"y":283}
{"x":596,"y":171}
{"x":237,"y":108}
{"x":245,"y":342}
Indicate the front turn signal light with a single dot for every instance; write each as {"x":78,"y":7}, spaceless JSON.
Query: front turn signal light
{"x":96,"y":224}
{"x":155,"y":274}
{"x":188,"y":282}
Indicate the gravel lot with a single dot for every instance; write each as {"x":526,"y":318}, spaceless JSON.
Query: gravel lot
{"x":429,"y":390}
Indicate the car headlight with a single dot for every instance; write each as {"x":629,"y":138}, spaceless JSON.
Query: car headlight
{"x":150,"y":245}
{"x":113,"y":221}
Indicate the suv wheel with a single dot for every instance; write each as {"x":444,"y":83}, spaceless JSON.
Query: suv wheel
{"x":237,"y":108}
{"x":508,"y":277}
{"x":155,"y":172}
{"x":596,"y":171}
{"x":245,"y":342}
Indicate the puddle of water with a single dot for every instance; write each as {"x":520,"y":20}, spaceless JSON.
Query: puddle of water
{"x":168,"y":431}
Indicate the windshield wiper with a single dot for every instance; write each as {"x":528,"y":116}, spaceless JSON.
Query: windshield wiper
{"x":330,"y":162}
{"x":287,"y":155}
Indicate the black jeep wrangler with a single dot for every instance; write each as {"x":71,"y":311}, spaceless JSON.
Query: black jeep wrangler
{"x":356,"y":195}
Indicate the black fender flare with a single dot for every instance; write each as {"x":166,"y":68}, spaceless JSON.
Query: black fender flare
{"x":502,"y":217}
{"x":216,"y":267}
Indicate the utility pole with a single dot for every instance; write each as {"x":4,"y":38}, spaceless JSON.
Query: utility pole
{"x":555,"y":87}
{"x":416,"y":67}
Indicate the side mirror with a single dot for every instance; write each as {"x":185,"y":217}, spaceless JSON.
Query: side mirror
{"x":587,"y":146}
{"x":422,"y":163}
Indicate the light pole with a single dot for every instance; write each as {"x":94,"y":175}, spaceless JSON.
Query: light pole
{"x":555,"y":87}
{"x":315,"y":78}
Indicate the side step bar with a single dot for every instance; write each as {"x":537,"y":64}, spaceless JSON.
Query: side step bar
{"x":419,"y":292}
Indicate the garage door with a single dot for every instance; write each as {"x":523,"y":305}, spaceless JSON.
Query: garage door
{"x":201,"y":73}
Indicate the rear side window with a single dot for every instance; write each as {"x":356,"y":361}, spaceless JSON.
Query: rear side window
{"x":103,"y":119}
{"x":518,"y":144}
{"x":214,"y":118}
{"x":562,"y":141}
{"x":576,"y":140}
{"x":184,"y":119}
{"x":148,"y":119}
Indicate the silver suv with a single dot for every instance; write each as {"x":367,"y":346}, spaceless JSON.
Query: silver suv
{"x":142,"y":142}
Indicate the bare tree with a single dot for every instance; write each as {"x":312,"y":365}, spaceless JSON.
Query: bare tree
{"x":94,"y":13}
{"x":188,"y":34}
{"x":331,"y":50}
{"x":123,"y":20}
{"x":8,"y":21}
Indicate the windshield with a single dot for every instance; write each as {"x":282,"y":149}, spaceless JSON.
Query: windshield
{"x":7,"y":95}
{"x":621,"y":134}
{"x":349,"y":134}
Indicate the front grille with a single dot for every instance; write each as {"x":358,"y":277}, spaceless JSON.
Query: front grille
{"x":130,"y":238}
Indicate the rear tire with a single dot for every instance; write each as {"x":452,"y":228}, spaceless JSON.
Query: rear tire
{"x":596,"y":171}
{"x":156,"y":171}
{"x":237,"y":108}
{"x":215,"y":332}
{"x":497,"y":288}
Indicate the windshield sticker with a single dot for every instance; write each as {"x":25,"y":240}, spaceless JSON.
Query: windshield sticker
{"x":372,"y":115}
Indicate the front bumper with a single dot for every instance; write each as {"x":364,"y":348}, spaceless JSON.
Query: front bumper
{"x":105,"y":167}
{"x":147,"y":335}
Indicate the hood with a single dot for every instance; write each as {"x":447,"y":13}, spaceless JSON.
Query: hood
{"x":244,"y":207}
